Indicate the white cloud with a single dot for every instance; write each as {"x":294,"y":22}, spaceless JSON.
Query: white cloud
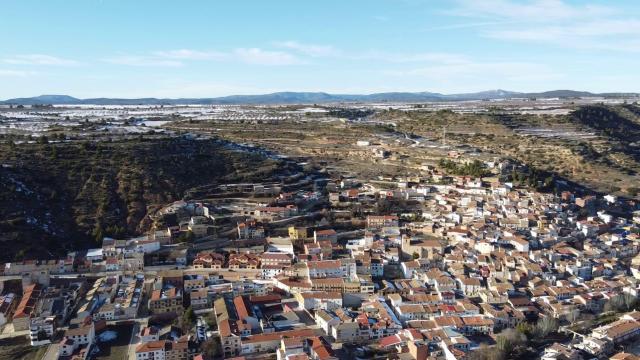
{"x":585,"y":30}
{"x":135,"y":60}
{"x":39,"y":59}
{"x":16,"y":73}
{"x":441,"y":57}
{"x":533,"y":10}
{"x":299,"y":53}
{"x":556,"y":22}
{"x":328,"y":51}
{"x":188,"y":54}
{"x":201,"y":88}
{"x":312,"y":50}
{"x":180,"y":57}
{"x":265,"y":57}
{"x":467,"y":25}
{"x":479,"y":75}
{"x":623,"y":35}
{"x":471,"y":69}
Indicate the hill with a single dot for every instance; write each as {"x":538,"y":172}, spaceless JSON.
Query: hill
{"x":596,"y":146}
{"x":308,"y":98}
{"x":45,"y":99}
{"x":58,"y":197}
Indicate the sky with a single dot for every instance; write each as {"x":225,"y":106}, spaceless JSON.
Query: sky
{"x":197,"y":48}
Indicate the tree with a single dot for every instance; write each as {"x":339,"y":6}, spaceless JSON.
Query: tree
{"x":630,"y":301}
{"x":510,"y":344}
{"x":211,"y":348}
{"x":508,"y":340}
{"x":188,"y":319}
{"x":524,"y":328}
{"x":546,"y":326}
{"x":633,"y":191}
{"x":211,"y":321}
{"x":484,"y":352}
{"x":573,"y":316}
{"x":98,"y":233}
{"x":621,"y":303}
{"x":186,"y":237}
{"x":20,"y":254}
{"x":115,"y":231}
{"x":475,"y":168}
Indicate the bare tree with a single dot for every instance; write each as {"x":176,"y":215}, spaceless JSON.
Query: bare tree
{"x":573,"y":316}
{"x":621,"y":302}
{"x":546,"y":325}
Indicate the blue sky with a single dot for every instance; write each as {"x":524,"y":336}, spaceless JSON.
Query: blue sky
{"x":126,"y":48}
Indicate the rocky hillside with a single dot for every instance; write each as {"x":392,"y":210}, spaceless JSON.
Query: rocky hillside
{"x":619,"y":123}
{"x":55,"y":197}
{"x":597,"y":146}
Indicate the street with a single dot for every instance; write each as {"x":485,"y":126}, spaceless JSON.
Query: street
{"x":135,"y":339}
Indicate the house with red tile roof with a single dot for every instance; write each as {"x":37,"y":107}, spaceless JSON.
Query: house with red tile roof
{"x":27,"y":307}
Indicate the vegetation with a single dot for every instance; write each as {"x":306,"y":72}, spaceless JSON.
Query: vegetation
{"x":211,"y":348}
{"x":510,"y":344}
{"x":119,"y":347}
{"x":633,"y":191}
{"x":533,"y":178}
{"x":621,"y":303}
{"x":610,"y":121}
{"x":351,"y":114}
{"x":540,"y":329}
{"x":187,"y":321}
{"x":519,"y":342}
{"x":579,"y":147}
{"x":90,"y":190}
{"x":18,"y":348}
{"x":210,"y":319}
{"x":475,"y":168}
{"x":186,"y":236}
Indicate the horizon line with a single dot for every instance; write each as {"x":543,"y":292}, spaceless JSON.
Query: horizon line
{"x":425,"y":92}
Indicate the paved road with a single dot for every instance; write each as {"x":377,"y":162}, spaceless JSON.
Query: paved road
{"x":14,"y":334}
{"x":294,"y":218}
{"x":567,"y":330}
{"x":135,"y":340}
{"x":91,"y":274}
{"x":52,"y":352}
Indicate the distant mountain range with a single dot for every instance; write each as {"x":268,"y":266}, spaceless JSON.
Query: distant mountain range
{"x":310,"y":98}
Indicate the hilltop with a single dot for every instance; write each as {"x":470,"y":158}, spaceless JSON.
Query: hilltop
{"x":311,"y":98}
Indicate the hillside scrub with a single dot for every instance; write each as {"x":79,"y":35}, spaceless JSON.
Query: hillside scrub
{"x":57,"y":197}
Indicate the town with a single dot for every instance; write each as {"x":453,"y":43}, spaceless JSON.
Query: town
{"x":320,"y":180}
{"x":327,"y":266}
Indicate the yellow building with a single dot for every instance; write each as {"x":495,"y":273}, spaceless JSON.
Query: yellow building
{"x":298,"y":233}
